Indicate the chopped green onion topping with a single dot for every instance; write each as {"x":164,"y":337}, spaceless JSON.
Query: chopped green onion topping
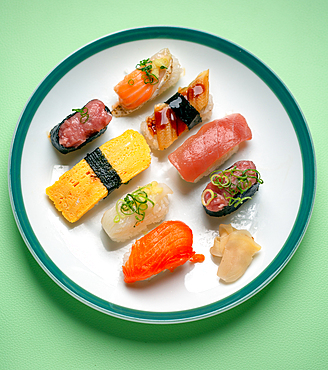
{"x":223,"y":180}
{"x":213,"y":195}
{"x":134,"y":203}
{"x":131,"y":82}
{"x":84,"y":114}
{"x":146,"y":67}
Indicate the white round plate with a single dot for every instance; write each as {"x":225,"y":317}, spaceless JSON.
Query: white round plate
{"x":82,"y":259}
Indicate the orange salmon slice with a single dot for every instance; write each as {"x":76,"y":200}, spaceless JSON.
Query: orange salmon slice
{"x":166,"y":247}
{"x":133,"y":91}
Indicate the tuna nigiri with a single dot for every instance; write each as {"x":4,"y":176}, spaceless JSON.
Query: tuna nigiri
{"x":166,"y":247}
{"x":213,"y":144}
{"x":230,"y":188}
{"x":184,"y":110}
{"x":81,"y":127}
{"x":151,"y":77}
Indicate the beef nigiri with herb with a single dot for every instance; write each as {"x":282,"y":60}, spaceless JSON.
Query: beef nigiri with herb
{"x":81,"y":127}
{"x":132,"y":214}
{"x":180,"y":113}
{"x":230,"y":188}
{"x":151,"y":77}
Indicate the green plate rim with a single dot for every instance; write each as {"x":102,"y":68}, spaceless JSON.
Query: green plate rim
{"x":195,"y":36}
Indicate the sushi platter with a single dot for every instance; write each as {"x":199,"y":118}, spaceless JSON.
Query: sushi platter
{"x":73,"y":212}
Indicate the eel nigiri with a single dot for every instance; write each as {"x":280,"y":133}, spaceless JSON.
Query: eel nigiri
{"x":180,"y":113}
{"x":81,"y":127}
{"x":166,"y":247}
{"x":151,"y":77}
{"x":230,"y":188}
{"x":114,"y":163}
{"x":236,"y":247}
{"x":213,"y":144}
{"x":135,"y":211}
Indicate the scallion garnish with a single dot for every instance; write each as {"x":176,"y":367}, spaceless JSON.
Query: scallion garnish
{"x":213,"y":195}
{"x":224,"y":180}
{"x":84,"y":114}
{"x":146,"y":66}
{"x":134,"y":203}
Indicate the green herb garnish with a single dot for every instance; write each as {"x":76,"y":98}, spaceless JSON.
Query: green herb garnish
{"x":84,"y":114}
{"x":146,"y":66}
{"x":134,"y":203}
{"x":131,"y":82}
{"x":223,"y":180}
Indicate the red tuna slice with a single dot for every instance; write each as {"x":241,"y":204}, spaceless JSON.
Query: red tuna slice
{"x":219,"y":205}
{"x":76,"y":129}
{"x":166,"y":247}
{"x":213,"y":144}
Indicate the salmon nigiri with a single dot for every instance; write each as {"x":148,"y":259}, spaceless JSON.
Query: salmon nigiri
{"x":151,"y":77}
{"x":213,"y":144}
{"x":166,"y":247}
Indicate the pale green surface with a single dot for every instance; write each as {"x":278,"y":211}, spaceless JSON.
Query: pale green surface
{"x":282,"y":327}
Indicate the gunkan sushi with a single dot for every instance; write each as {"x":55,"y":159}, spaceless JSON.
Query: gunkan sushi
{"x":166,"y":247}
{"x":81,"y":127}
{"x":103,"y":170}
{"x":180,"y":113}
{"x":136,"y":210}
{"x":151,"y":77}
{"x":230,"y":188}
{"x":211,"y":146}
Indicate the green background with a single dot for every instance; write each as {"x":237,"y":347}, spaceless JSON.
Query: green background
{"x":283,"y":326}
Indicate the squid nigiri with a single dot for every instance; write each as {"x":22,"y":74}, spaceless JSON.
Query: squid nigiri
{"x":213,"y":144}
{"x":184,"y":110}
{"x":132,"y":214}
{"x":166,"y":247}
{"x":151,"y":77}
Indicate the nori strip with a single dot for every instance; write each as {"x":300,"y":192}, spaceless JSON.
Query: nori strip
{"x":103,"y":169}
{"x":229,"y":209}
{"x":54,"y":135}
{"x":184,"y":110}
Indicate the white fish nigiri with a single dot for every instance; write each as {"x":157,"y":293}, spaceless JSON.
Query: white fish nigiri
{"x":135,"y":211}
{"x":236,"y":247}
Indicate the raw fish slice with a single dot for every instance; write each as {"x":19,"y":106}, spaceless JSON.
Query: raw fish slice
{"x":121,"y":226}
{"x":166,"y":247}
{"x":213,"y":144}
{"x":220,"y":199}
{"x":139,"y":86}
{"x":81,"y":127}
{"x":131,"y":96}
